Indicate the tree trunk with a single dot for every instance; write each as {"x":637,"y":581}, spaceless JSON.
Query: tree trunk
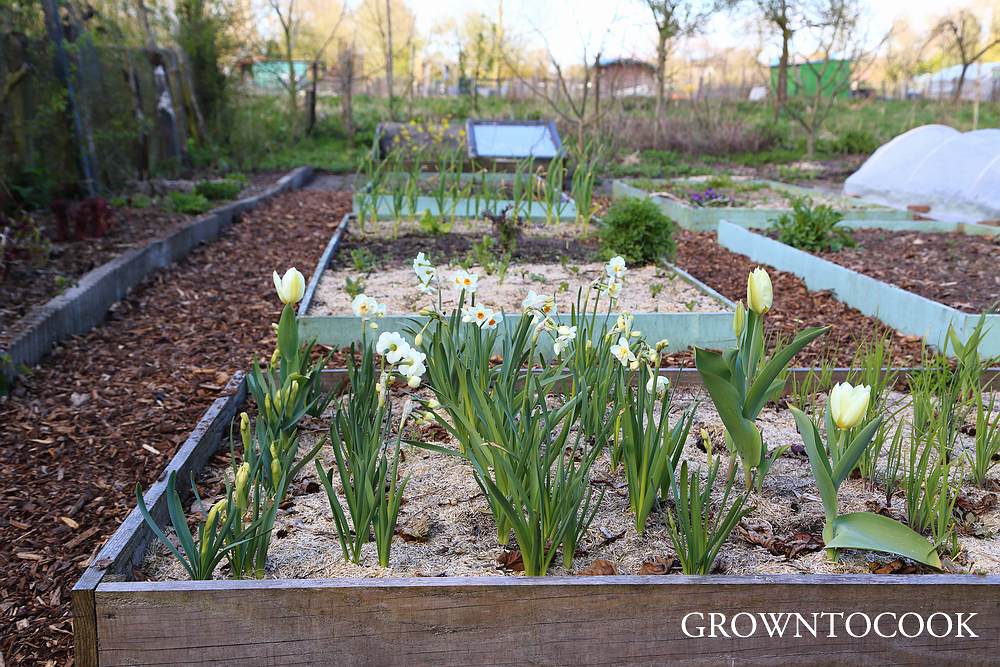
{"x":346,"y":93}
{"x":661,"y":77}
{"x":388,"y":59}
{"x":82,"y":133}
{"x":957,"y":95}
{"x":781,"y":92}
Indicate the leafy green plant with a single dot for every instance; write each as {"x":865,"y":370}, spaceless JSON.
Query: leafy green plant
{"x":189,"y":203}
{"x":214,"y":535}
{"x":368,"y":472}
{"x":696,"y":530}
{"x":987,"y":443}
{"x":354,"y":286}
{"x":813,"y":228}
{"x":741,"y":381}
{"x":637,"y":230}
{"x":855,"y":530}
{"x":927,"y":484}
{"x":650,"y":449}
{"x":362,"y":260}
{"x":219,"y":190}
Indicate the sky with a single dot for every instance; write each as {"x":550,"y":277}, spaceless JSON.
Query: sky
{"x":625,"y":26}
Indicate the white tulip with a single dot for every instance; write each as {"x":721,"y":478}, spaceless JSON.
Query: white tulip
{"x":290,"y":287}
{"x":760,"y":293}
{"x":848,"y":404}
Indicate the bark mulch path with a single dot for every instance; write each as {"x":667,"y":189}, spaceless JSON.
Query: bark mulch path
{"x":957,"y":270}
{"x":108,"y":409}
{"x":795,"y":307}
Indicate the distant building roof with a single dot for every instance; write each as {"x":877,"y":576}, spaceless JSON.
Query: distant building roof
{"x":624,"y":62}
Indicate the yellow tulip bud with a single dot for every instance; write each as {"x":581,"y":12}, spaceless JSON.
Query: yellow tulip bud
{"x":275,"y":358}
{"x":245,"y":429}
{"x":275,"y":473}
{"x":662,"y":344}
{"x":848,"y":404}
{"x":210,"y":522}
{"x":267,"y":404}
{"x":243,"y":487}
{"x":418,"y":339}
{"x":290,"y":287}
{"x":739,"y":319}
{"x":760,"y":294}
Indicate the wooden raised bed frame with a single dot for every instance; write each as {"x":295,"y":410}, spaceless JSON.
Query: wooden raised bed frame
{"x":635,"y":620}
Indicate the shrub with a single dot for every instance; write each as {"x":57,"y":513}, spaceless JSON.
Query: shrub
{"x":855,"y":142}
{"x":637,"y":230}
{"x":217,"y":190}
{"x":813,"y":228}
{"x":190,"y":203}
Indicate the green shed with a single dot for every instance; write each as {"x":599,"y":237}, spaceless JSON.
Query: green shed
{"x":832,"y":76}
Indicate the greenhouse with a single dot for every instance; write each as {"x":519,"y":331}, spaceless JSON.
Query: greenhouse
{"x":935,"y":170}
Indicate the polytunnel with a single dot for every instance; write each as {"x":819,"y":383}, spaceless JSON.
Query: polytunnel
{"x":955,"y":174}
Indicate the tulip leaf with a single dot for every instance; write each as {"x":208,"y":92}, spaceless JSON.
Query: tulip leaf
{"x":818,"y":461}
{"x":288,"y":333}
{"x":762,"y":384}
{"x":716,"y":375}
{"x":849,"y":459}
{"x":875,"y":532}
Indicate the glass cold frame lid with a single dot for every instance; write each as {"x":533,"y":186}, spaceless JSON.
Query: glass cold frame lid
{"x":513,"y":140}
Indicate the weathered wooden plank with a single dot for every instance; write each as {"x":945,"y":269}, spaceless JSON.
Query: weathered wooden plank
{"x":127,"y":546}
{"x":553,"y":621}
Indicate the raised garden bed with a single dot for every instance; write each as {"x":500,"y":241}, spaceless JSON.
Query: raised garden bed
{"x":667,"y":302}
{"x":751,"y":203}
{"x":449,"y":598}
{"x":904,"y":310}
{"x":460,"y":196}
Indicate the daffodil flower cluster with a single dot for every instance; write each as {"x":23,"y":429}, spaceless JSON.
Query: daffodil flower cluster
{"x":426,"y":273}
{"x":483,"y":317}
{"x":613,"y":278}
{"x":401,"y":358}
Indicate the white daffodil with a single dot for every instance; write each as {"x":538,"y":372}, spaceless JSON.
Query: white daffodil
{"x":565,"y":335}
{"x":392,"y":346}
{"x":426,"y":273}
{"x":622,"y":352}
{"x":615,"y":268}
{"x":493,"y":320}
{"x":614,"y":288}
{"x":661,"y":383}
{"x":412,"y":367}
{"x":543,"y":303}
{"x":362,"y":306}
{"x":290,"y":287}
{"x":623,"y":325}
{"x":465,"y":281}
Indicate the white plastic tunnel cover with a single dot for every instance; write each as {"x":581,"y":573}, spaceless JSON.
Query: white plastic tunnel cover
{"x":956,"y":174}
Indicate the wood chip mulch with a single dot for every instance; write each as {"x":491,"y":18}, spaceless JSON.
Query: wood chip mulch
{"x":958,"y":270}
{"x":795,"y":307}
{"x":108,"y":409}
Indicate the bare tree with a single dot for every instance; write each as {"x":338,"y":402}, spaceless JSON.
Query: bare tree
{"x":577,"y":110}
{"x":786,"y":16}
{"x":841,"y":41}
{"x":289,"y":22}
{"x":673,"y":19}
{"x":962,"y":36}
